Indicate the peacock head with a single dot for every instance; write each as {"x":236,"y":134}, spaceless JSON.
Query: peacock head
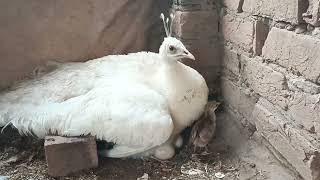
{"x":171,"y":48}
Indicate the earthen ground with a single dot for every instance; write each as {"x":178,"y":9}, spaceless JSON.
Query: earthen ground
{"x":233,"y":152}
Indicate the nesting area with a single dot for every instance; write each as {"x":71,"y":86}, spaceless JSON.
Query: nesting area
{"x":23,"y":158}
{"x":259,"y":58}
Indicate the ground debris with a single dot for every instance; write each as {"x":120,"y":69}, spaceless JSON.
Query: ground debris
{"x":188,"y":164}
{"x":219,"y":175}
{"x":144,"y":177}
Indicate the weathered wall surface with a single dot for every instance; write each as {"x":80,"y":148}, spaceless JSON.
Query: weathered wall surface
{"x":33,"y":32}
{"x":267,"y":53}
{"x":271,"y":75}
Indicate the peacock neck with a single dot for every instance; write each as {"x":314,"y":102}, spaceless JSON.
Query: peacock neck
{"x":173,"y":72}
{"x":185,"y":92}
{"x":175,"y":78}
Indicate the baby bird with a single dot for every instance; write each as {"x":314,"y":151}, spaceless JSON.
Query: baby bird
{"x":204,"y":129}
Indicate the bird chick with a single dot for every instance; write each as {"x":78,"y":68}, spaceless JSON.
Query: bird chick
{"x":204,"y":129}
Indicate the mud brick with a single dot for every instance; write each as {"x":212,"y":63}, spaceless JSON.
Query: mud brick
{"x":66,"y":155}
{"x":237,"y":97}
{"x":231,"y":61}
{"x":297,"y":52}
{"x":292,"y":143}
{"x":264,"y":80}
{"x":239,"y":32}
{"x":279,"y":10}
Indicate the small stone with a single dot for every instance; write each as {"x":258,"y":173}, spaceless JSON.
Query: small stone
{"x":66,"y":155}
{"x":306,"y":15}
{"x":300,"y":29}
{"x":280,"y":25}
{"x":310,"y":27}
{"x":252,"y":165}
{"x":312,"y":130}
{"x":219,"y":175}
{"x":144,"y":177}
{"x":289,"y":27}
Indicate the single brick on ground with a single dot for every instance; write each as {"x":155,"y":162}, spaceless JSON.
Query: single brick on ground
{"x":66,"y":155}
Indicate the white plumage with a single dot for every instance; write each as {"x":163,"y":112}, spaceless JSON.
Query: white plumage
{"x":139,"y":101}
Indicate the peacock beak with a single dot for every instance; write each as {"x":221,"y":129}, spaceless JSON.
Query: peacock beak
{"x":188,"y":55}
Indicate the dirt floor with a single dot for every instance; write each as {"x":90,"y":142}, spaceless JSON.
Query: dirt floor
{"x":232,"y":155}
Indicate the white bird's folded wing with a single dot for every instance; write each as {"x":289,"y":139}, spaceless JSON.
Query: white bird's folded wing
{"x":129,"y":114}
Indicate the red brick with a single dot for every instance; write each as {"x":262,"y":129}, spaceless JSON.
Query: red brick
{"x":66,"y":155}
{"x":297,"y":52}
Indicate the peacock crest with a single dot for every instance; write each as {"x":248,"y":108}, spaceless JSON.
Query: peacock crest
{"x":166,"y":26}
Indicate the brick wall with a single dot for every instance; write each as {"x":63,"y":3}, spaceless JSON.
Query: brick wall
{"x":267,"y":55}
{"x":271,"y":75}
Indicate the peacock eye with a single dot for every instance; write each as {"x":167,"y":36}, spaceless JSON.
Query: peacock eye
{"x":171,"y":48}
